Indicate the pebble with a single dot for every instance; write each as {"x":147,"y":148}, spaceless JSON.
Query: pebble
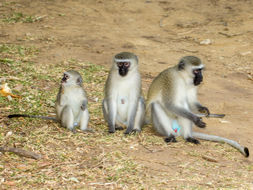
{"x":205,"y":42}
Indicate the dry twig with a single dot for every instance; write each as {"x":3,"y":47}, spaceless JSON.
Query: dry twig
{"x":21,"y":152}
{"x":209,"y":159}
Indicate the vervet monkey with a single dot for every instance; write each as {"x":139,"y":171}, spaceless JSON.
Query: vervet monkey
{"x":123,"y":104}
{"x":71,"y":103}
{"x":172,"y":101}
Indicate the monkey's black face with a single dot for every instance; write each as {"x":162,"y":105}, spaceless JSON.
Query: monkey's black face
{"x":123,"y":68}
{"x":64,"y":78}
{"x":198,"y":78}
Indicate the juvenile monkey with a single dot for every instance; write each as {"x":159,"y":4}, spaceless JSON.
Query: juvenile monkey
{"x":123,"y":104}
{"x":71,"y":103}
{"x":172,"y":101}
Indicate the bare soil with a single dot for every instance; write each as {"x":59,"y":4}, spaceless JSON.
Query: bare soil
{"x":160,"y":32}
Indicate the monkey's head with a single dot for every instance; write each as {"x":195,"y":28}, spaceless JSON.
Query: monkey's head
{"x":193,"y":67}
{"x":71,"y":78}
{"x":125,"y":62}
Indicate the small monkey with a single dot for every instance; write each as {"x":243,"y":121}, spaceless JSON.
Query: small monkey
{"x":172,"y":101}
{"x":71,"y":103}
{"x":123,"y":104}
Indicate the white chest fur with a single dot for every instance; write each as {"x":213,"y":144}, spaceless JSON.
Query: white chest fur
{"x":122,"y":97}
{"x":124,"y":92}
{"x":74,"y":98}
{"x":186,"y":94}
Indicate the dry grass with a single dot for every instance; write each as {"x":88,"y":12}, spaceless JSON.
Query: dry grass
{"x":90,"y":160}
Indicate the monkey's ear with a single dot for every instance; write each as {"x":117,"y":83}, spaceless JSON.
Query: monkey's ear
{"x":181,"y":65}
{"x":79,"y":80}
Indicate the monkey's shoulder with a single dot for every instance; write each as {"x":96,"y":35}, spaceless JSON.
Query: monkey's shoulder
{"x":163,"y":85}
{"x":165,"y":78}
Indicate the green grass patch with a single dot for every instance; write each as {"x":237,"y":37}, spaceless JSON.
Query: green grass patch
{"x":21,"y":17}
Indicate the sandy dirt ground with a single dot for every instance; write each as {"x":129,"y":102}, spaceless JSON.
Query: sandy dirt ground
{"x":160,"y":32}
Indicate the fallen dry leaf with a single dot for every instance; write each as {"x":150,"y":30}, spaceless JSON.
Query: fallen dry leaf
{"x":6,"y":91}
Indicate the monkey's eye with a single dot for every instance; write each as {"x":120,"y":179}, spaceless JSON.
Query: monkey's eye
{"x":196,"y":71}
{"x":120,"y":64}
{"x":127,"y":64}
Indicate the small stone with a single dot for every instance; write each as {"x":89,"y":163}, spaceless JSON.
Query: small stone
{"x":224,"y":121}
{"x":205,"y":42}
{"x":8,"y":134}
{"x":74,"y":179}
{"x":245,"y":53}
{"x":9,"y":98}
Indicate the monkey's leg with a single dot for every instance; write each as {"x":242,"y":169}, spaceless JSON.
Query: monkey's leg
{"x":131,"y":114}
{"x":84,"y":119}
{"x":67,"y":118}
{"x":140,"y":114}
{"x":186,"y":125}
{"x":162,"y":123}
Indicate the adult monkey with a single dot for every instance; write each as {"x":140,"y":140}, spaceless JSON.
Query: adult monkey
{"x":172,"y":101}
{"x":123,"y":104}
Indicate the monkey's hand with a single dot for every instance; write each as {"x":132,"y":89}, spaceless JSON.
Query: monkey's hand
{"x":204,"y":110}
{"x":198,"y":122}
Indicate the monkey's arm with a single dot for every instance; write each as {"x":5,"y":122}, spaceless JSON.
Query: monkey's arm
{"x":187,"y":114}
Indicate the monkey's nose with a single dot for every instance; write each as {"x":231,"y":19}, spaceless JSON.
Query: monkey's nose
{"x":64,"y":79}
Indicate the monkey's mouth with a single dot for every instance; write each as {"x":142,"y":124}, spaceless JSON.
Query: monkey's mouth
{"x":198,"y":78}
{"x":197,"y":81}
{"x":63,"y":80}
{"x":123,"y":72}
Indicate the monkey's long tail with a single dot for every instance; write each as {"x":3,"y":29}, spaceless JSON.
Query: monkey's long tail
{"x":243,"y":150}
{"x":32,"y":116}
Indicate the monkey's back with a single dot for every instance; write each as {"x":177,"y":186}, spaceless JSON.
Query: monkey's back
{"x":159,"y":89}
{"x":160,"y":85}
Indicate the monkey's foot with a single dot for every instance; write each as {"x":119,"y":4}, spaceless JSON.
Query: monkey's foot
{"x":118,"y":128}
{"x":192,"y":140}
{"x":111,"y":128}
{"x":171,"y":138}
{"x":134,"y":131}
{"x":73,"y":130}
{"x":111,"y":131}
